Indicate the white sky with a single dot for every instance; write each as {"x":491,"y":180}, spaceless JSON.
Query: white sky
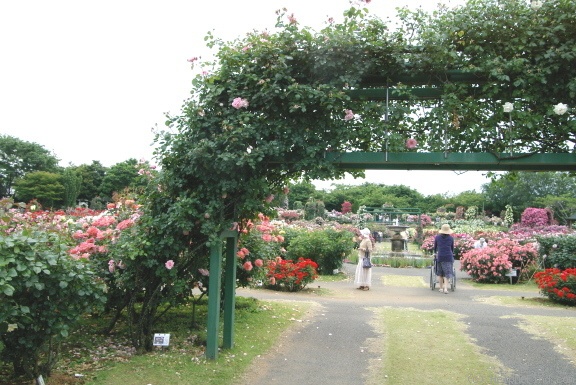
{"x":89,"y":79}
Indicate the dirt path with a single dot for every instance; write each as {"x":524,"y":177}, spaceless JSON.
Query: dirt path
{"x":332,"y":346}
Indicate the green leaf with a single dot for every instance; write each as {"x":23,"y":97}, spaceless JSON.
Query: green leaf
{"x":8,"y":290}
{"x":63,"y":284}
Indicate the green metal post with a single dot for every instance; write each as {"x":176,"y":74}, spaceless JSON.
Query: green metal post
{"x":214,"y":301}
{"x":230,"y":291}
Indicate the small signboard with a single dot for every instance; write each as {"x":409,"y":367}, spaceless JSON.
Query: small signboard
{"x":511,"y":273}
{"x":161,"y":339}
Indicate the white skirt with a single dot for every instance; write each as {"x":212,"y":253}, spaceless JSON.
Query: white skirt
{"x":363,"y":277}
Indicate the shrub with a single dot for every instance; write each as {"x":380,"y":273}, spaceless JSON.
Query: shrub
{"x":558,"y":285}
{"x":260,"y":245}
{"x":534,"y":217}
{"x":289,"y":275}
{"x":326,"y":247}
{"x":485,"y":265}
{"x":43,"y":293}
{"x":462,"y":243}
{"x":558,"y":251}
{"x":425,"y":220}
{"x":289,"y":215}
{"x":491,"y":264}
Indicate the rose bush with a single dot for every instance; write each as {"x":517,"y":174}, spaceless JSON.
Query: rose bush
{"x":43,"y":290}
{"x":285,"y":274}
{"x":558,"y":285}
{"x":492,"y":263}
{"x":557,"y":250}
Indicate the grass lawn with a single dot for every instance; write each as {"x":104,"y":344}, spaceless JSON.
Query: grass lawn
{"x":90,"y":358}
{"x":410,"y":350}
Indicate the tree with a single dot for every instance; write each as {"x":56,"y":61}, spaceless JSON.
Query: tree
{"x":522,"y":189}
{"x":72,"y":183}
{"x":18,"y":157}
{"x":469,"y":199}
{"x":118,"y":177}
{"x":46,"y":187}
{"x":92,"y":176}
{"x":301,"y":192}
{"x":563,"y":206}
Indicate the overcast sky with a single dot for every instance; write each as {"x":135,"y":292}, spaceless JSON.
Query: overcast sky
{"x":89,"y":80}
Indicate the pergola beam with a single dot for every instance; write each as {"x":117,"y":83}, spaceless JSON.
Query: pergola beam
{"x":453,"y":161}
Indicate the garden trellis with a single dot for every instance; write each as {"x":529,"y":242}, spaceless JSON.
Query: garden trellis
{"x":487,"y":86}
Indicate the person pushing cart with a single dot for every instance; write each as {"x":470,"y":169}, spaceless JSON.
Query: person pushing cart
{"x":444,"y":260}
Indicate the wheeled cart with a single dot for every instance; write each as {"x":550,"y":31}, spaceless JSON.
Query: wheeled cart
{"x":434,"y":277}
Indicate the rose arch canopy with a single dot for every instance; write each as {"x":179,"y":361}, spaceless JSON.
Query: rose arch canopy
{"x":487,"y":86}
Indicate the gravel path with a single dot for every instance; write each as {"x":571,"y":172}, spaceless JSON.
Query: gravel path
{"x":331,"y":347}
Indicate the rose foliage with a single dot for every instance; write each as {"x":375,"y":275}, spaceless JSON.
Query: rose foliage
{"x":44,"y":290}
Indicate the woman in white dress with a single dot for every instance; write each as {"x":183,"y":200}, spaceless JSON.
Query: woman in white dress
{"x":363,"y":277}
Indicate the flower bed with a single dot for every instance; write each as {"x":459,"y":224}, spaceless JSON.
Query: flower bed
{"x":558,"y":285}
{"x":289,"y":275}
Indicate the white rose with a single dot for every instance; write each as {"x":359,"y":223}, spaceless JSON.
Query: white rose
{"x":536,"y":5}
{"x":508,"y":107}
{"x":560,"y":108}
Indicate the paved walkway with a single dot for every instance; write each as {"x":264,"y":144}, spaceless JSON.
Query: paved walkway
{"x":331,"y":346}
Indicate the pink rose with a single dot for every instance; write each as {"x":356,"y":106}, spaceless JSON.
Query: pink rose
{"x":111,"y":266}
{"x":411,"y":143}
{"x":169,"y":264}
{"x":240,"y":103}
{"x":349,"y":115}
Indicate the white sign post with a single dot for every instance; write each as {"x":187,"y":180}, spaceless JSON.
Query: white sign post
{"x":511,"y":273}
{"x":161,"y":339}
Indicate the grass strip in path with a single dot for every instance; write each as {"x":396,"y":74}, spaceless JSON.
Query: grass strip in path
{"x":403,"y":281}
{"x":429,"y":347}
{"x":560,"y":331}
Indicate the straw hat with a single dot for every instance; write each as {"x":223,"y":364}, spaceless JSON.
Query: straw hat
{"x":445,"y":229}
{"x":365,"y":232}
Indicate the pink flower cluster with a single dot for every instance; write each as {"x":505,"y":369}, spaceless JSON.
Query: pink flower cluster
{"x":491,"y":264}
{"x":267,"y":230}
{"x":240,"y":103}
{"x":349,"y":115}
{"x":534,"y":217}
{"x":97,"y":232}
{"x":289,"y":215}
{"x":242,"y":253}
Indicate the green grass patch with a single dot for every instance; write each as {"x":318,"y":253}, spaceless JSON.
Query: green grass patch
{"x":330,"y":278}
{"x":520,"y":301}
{"x":428,"y":347}
{"x":403,"y":281}
{"x":110,"y":359}
{"x":396,"y":262}
{"x":560,"y":331}
{"x":520,"y":286}
{"x":258,"y":326}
